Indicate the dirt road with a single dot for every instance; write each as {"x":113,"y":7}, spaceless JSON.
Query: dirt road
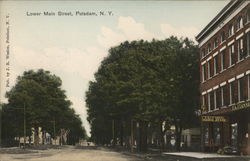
{"x":68,"y":153}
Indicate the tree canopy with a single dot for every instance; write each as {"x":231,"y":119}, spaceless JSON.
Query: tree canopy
{"x":38,"y":96}
{"x":150,"y":82}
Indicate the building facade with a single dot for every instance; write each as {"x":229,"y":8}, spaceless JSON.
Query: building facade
{"x":225,"y":78}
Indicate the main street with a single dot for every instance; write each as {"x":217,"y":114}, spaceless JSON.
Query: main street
{"x":92,"y":153}
{"x":67,"y":153}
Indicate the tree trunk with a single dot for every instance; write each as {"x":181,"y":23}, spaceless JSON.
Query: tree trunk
{"x":162,"y":143}
{"x":121,"y":133}
{"x":178,"y":137}
{"x":61,"y":140}
{"x":132,"y":135}
{"x":113,"y":133}
{"x":36,"y":136}
{"x":143,"y":136}
{"x":43,"y":137}
{"x":29,"y":140}
{"x":19,"y":142}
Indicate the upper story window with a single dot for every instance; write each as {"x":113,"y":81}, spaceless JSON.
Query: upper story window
{"x":223,"y":36}
{"x":209,"y":48}
{"x":216,"y":42}
{"x":204,"y":100}
{"x":215,"y":99}
{"x":209,"y":69}
{"x":230,"y":30}
{"x":240,"y":49}
{"x":248,"y":43}
{"x":239,"y":23}
{"x":240,"y":90}
{"x":218,"y":98}
{"x":223,"y":60}
{"x":248,"y":86}
{"x":223,"y":95}
{"x":203,"y":53}
{"x":232,"y":94}
{"x":248,"y":15}
{"x":216,"y":64}
{"x":203,"y":72}
{"x":211,"y":99}
{"x":231,"y":55}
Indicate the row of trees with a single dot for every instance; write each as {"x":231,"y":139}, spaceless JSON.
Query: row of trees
{"x":148,"y":83}
{"x":37,"y":100}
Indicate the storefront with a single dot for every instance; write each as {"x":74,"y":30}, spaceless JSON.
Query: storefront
{"x":227,"y":127}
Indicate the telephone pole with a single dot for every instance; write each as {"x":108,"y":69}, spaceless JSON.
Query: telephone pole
{"x":54,"y":130}
{"x":132,"y":136}
{"x":24,"y":126}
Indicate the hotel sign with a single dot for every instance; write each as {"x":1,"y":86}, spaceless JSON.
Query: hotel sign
{"x":241,"y":106}
{"x":213,"y":119}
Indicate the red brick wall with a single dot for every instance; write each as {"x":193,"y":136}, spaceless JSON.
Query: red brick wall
{"x":230,"y":72}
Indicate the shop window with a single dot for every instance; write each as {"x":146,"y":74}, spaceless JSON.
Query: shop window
{"x":240,"y":90}
{"x":230,"y":30}
{"x":231,"y":55}
{"x":217,"y":136}
{"x":216,"y":42}
{"x":232,"y":94}
{"x":234,"y":134}
{"x":206,"y":136}
{"x":216,"y":64}
{"x":223,"y":36}
{"x":239,"y":23}
{"x":223,"y":60}
{"x":240,"y":49}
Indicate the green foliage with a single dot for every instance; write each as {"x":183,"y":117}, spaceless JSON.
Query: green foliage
{"x":38,"y":96}
{"x":145,"y":81}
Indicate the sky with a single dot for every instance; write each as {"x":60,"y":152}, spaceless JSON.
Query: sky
{"x":72,"y":47}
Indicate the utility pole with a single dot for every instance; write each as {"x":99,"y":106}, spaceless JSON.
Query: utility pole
{"x":54,"y":129}
{"x":24,"y":126}
{"x":113,"y":131}
{"x":132,"y":136}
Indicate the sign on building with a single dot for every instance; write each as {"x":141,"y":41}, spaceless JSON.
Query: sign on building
{"x":213,"y":119}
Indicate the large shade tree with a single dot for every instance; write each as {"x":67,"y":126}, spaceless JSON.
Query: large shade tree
{"x":148,"y":82}
{"x":37,"y":100}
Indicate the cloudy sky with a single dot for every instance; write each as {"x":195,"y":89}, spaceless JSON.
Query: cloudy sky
{"x":72,"y":47}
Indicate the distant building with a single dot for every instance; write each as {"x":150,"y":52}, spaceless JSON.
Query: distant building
{"x":45,"y":137}
{"x":225,"y":78}
{"x":190,"y":139}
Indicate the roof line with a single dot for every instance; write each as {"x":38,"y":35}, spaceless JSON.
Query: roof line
{"x":216,"y":18}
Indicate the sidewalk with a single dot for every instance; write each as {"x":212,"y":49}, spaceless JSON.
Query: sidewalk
{"x":185,"y":156}
{"x":198,"y":156}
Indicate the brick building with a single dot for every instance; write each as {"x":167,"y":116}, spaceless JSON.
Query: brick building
{"x":225,"y":78}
